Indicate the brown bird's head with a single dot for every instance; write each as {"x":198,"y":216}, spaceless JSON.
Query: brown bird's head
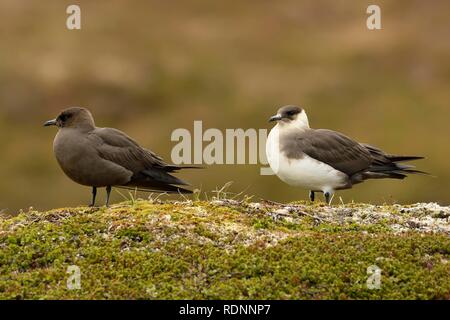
{"x":73,"y":118}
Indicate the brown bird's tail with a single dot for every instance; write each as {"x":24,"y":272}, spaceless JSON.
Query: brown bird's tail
{"x":165,"y":189}
{"x":158,"y":179}
{"x":175,"y":168}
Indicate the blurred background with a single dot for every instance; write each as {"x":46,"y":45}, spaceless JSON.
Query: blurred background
{"x":149,"y":67}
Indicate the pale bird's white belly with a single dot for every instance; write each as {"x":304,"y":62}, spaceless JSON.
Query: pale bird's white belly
{"x":305,"y":172}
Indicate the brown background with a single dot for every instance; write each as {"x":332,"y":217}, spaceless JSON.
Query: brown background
{"x":148,"y":67}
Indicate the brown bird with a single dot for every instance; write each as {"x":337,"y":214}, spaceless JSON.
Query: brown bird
{"x":107,"y":157}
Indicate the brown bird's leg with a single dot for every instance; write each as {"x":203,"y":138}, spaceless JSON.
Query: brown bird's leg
{"x":94,"y":194}
{"x":108,"y":193}
{"x":311,"y":196}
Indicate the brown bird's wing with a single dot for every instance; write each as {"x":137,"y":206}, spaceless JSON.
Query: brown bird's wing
{"x":119,"y":148}
{"x":330,"y":147}
{"x":150,"y":171}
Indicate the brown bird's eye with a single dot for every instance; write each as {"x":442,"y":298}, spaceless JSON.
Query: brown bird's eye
{"x":63,"y":117}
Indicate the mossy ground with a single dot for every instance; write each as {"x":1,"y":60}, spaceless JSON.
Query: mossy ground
{"x":220,"y":250}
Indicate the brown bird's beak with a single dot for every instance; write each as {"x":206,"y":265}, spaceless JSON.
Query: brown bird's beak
{"x":50,"y":123}
{"x":275,"y":118}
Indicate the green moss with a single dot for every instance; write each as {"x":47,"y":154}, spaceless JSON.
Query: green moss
{"x":263,"y":223}
{"x":203,"y":251}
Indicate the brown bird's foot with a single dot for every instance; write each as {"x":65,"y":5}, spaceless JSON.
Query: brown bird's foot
{"x":311,"y":196}
{"x":108,"y":193}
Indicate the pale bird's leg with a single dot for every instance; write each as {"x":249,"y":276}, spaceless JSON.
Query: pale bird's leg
{"x":328,"y":197}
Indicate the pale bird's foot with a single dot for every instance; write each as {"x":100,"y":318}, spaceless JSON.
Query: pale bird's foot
{"x":327,"y":198}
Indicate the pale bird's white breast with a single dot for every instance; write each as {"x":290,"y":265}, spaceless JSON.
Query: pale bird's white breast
{"x":305,"y":172}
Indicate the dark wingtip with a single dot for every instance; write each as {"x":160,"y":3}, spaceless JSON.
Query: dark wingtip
{"x":404,"y":158}
{"x":417,"y":172}
{"x":170,"y":189}
{"x":172,"y":168}
{"x":191,"y":167}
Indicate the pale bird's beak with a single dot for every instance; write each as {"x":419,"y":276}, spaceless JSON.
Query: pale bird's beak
{"x":50,"y":123}
{"x":276,"y":117}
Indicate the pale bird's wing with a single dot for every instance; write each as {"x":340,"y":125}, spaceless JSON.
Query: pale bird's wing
{"x":330,"y":147}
